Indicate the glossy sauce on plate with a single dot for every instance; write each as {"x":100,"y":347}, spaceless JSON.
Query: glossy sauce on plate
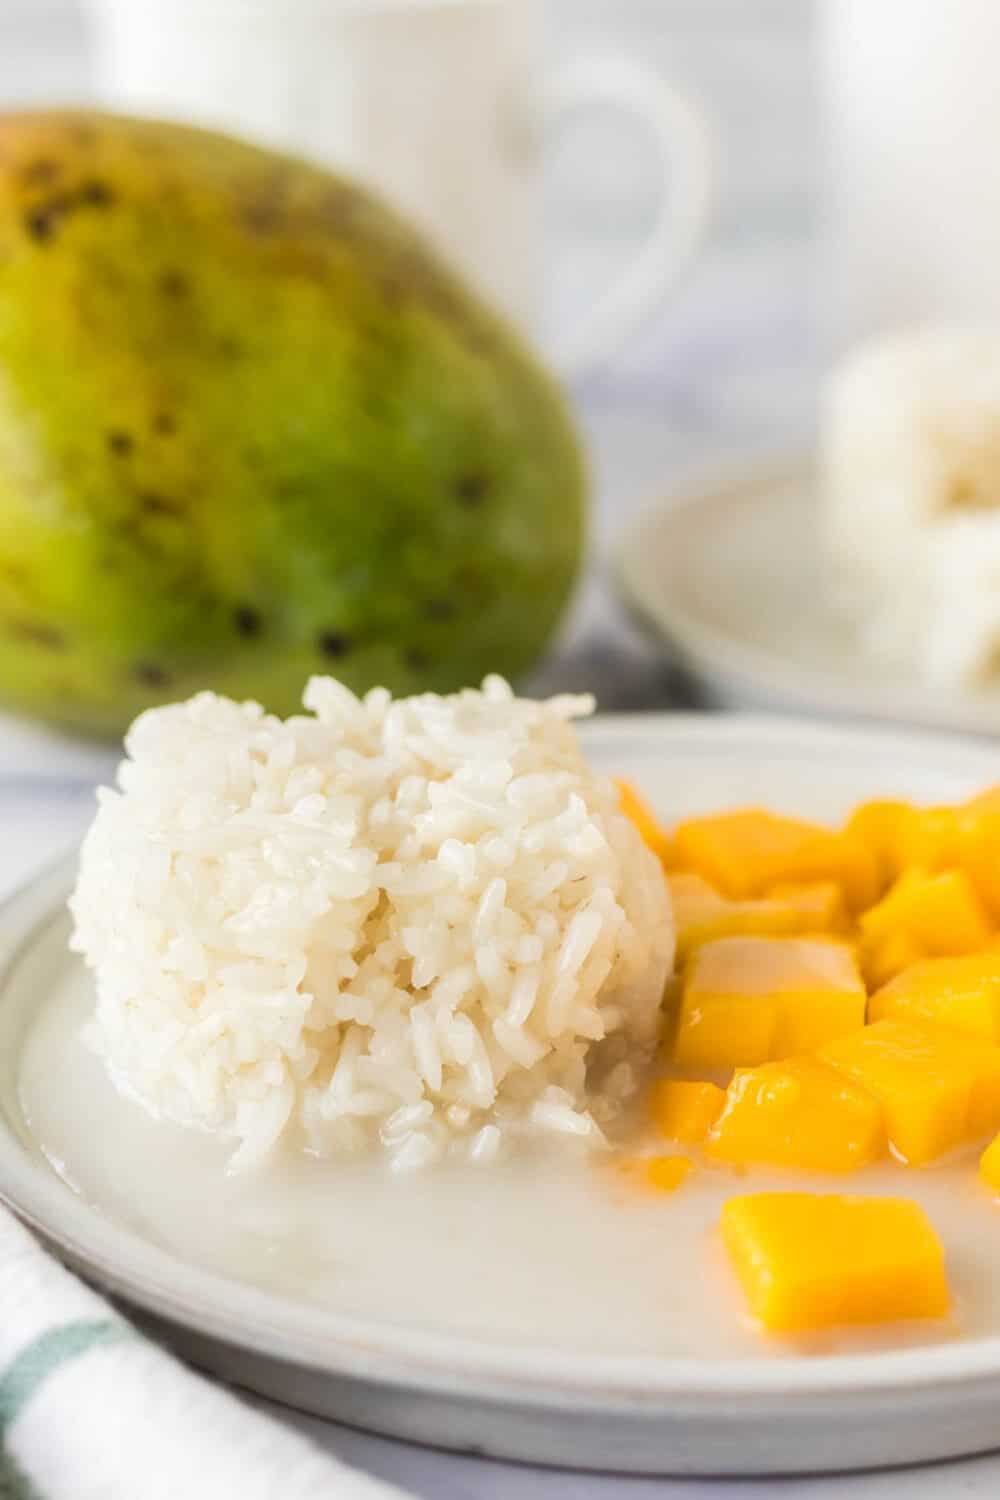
{"x":559,"y":1251}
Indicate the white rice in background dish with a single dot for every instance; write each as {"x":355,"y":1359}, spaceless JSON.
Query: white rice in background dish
{"x":911,"y":482}
{"x":419,"y":924}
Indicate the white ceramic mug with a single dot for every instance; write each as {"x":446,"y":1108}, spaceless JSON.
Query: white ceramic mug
{"x":438,"y":104}
{"x":913,"y":132}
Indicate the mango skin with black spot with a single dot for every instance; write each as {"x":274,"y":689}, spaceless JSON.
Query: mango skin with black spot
{"x":252,"y":428}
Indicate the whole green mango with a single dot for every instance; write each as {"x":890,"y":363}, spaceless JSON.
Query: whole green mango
{"x":252,"y":428}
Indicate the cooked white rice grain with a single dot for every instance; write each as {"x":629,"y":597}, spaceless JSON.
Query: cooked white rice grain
{"x":415,"y":925}
{"x":911,"y":487}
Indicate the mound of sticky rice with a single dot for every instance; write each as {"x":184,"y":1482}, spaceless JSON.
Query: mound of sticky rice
{"x":911,"y":470}
{"x":421,"y":925}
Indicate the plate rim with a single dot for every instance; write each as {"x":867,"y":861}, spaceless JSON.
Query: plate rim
{"x":161,"y":1283}
{"x":711,"y":652}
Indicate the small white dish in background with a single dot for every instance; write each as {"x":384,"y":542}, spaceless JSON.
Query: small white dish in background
{"x":733,"y":578}
{"x":534,"y":1398}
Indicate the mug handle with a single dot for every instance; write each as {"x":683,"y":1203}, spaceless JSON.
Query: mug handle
{"x":684,"y":149}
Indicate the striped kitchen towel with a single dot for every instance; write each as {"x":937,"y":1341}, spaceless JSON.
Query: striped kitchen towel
{"x":89,"y":1410}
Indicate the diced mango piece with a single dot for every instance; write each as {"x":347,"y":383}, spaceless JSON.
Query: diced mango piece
{"x":930,"y":840}
{"x":812,"y":1260}
{"x":923,"y":916}
{"x":819,"y":906}
{"x":664,"y":1174}
{"x":748,"y":852}
{"x":639,"y":812}
{"x":882,"y":826}
{"x":989,"y":1164}
{"x":980,"y":850}
{"x":683,"y":1111}
{"x":701,"y":914}
{"x":727,"y":1029}
{"x":960,"y":992}
{"x":748,"y":1000}
{"x":798,"y":1113}
{"x":938,"y":1089}
{"x":895,"y":953}
{"x":901,"y":835}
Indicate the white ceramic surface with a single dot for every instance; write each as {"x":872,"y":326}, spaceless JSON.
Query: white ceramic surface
{"x":627,"y":1414}
{"x":733,"y":577}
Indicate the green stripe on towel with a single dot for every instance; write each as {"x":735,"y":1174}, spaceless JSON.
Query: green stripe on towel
{"x":51,"y":1350}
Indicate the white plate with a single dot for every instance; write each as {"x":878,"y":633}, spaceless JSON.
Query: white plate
{"x":732,"y":576}
{"x":642,"y":1414}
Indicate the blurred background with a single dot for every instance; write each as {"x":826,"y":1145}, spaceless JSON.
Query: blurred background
{"x":725,"y":366}
{"x":694,"y":208}
{"x":722,"y":362}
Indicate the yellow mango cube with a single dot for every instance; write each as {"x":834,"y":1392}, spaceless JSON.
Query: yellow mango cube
{"x":639,"y":812}
{"x":937,"y":1088}
{"x":812,"y":1260}
{"x":701,"y":914}
{"x":894,"y":954}
{"x":819,"y":906}
{"x":748,"y":852}
{"x":902,"y":836}
{"x":798,"y":1113}
{"x":989,"y":1164}
{"x":882,"y":826}
{"x":685,"y":1112}
{"x":960,"y":992}
{"x":980,"y":850}
{"x":930,"y":840}
{"x":923,"y":916}
{"x":749,"y":1000}
{"x":662,"y":1174}
{"x":666,"y":1173}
